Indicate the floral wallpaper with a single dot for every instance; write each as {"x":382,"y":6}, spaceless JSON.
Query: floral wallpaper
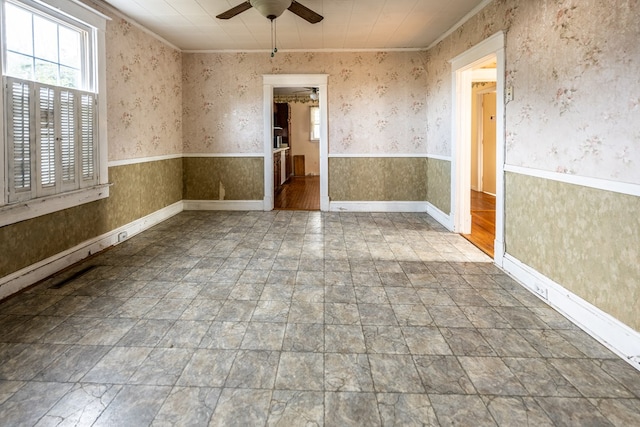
{"x":294,"y":99}
{"x":144,"y":93}
{"x":573,"y":66}
{"x":376,"y":100}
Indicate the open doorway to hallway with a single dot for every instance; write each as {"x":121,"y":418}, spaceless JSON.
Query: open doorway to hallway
{"x":483,"y":158}
{"x":296,"y":148}
{"x":484,"y":62}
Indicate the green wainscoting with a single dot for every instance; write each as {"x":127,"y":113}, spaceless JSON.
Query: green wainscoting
{"x":586,"y":240}
{"x":439,"y":179}
{"x":241,"y":177}
{"x":137,"y":190}
{"x":377,"y":179}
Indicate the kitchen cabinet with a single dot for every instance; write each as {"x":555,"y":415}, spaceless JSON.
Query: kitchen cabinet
{"x":288,"y":164}
{"x":282,"y":120}
{"x":277,"y":171}
{"x":281,"y":167}
{"x":282,"y":133}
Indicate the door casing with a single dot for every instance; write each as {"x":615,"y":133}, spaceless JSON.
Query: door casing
{"x":462,"y":75}
{"x":271,"y":81}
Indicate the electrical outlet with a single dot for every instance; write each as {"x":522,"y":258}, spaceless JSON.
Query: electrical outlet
{"x":122,"y":236}
{"x":542,"y":291}
{"x":509,"y":94}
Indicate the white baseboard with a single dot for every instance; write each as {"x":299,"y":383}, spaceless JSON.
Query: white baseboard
{"x":615,"y":335}
{"x":27,"y":276}
{"x":223,"y":205}
{"x":377,"y":206}
{"x":441,"y":217}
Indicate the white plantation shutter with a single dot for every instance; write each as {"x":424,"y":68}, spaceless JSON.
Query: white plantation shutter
{"x":18,"y":139}
{"x":60,"y":153}
{"x":67,"y":138}
{"x":46,"y":140}
{"x":88,"y":137}
{"x":53,"y":147}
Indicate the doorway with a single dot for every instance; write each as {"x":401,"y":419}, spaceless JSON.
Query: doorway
{"x":296,"y":121}
{"x":270,"y":82}
{"x":464,"y":67}
{"x":483,"y":158}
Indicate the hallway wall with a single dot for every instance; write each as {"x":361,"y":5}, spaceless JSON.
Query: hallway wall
{"x":477,"y":141}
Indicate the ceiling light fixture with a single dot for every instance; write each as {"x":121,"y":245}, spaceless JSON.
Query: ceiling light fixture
{"x":270,"y":9}
{"x":314,"y":94}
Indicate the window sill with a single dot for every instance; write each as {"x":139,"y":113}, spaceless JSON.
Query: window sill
{"x":10,"y":214}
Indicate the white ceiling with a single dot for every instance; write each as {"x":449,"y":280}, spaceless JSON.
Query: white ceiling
{"x":347,"y":24}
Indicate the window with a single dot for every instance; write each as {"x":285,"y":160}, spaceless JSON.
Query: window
{"x":51,"y":100}
{"x":46,"y":49}
{"x":314,"y":113}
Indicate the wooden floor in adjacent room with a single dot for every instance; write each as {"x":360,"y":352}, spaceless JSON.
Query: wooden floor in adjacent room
{"x":483,"y":221}
{"x":299,"y":193}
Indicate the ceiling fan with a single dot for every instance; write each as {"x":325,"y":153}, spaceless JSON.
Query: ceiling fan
{"x":271,"y":9}
{"x":311,"y":91}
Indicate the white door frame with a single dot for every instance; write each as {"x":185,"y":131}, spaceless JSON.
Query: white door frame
{"x":271,"y":81}
{"x":462,"y":75}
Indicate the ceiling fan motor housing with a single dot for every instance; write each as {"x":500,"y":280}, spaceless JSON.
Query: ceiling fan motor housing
{"x":271,"y":9}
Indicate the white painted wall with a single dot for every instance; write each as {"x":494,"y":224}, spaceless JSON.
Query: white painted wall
{"x":301,"y":145}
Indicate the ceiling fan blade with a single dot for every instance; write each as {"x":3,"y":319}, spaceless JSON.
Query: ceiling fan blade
{"x":305,"y":13}
{"x":235,"y":10}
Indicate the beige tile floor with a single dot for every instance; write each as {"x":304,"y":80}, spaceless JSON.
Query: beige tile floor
{"x":300,"y":318}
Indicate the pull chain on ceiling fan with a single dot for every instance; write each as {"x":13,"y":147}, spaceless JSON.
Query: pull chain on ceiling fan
{"x":274,"y":38}
{"x":271,"y":9}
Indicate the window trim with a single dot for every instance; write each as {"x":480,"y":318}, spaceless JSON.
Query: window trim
{"x":20,"y":211}
{"x":312,"y":123}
